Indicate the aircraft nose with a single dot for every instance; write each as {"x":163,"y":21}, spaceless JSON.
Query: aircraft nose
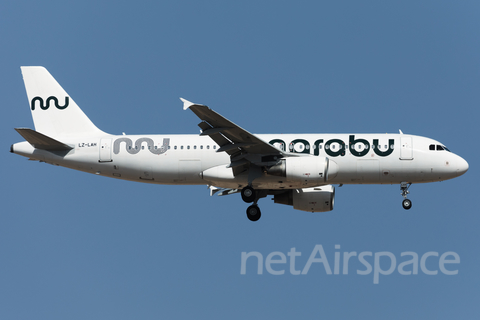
{"x":462,"y":166}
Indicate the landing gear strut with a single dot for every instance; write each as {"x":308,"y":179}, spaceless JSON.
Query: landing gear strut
{"x":250,"y":195}
{"x":407,"y":204}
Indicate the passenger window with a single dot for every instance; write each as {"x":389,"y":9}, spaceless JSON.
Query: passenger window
{"x":432,"y":147}
{"x":208,"y":147}
{"x":194,"y":147}
{"x":188,"y":147}
{"x":181,"y":147}
{"x":175,"y":147}
{"x":214,"y":147}
{"x":201,"y":147}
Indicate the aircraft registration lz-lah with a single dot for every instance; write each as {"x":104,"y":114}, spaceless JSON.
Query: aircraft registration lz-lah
{"x":296,"y":169}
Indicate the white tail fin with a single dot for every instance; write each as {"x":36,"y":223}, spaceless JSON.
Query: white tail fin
{"x":54,"y":113}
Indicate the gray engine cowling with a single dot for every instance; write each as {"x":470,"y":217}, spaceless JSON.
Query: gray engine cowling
{"x":317,"y":199}
{"x":310,"y":170}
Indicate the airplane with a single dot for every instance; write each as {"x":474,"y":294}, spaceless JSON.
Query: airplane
{"x":298,"y":170}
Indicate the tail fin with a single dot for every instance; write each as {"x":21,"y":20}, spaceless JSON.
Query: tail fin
{"x":54,"y":113}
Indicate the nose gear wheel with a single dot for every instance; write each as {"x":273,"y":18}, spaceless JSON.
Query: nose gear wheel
{"x":406,"y":203}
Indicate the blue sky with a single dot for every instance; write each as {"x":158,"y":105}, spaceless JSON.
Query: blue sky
{"x":78,"y":246}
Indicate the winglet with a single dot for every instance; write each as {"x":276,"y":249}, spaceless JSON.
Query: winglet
{"x":186,"y":104}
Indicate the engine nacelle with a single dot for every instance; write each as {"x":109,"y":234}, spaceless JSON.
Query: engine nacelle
{"x":309,"y":170}
{"x":318,"y":199}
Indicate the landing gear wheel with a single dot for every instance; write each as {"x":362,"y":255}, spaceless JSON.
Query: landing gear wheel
{"x":253,"y":213}
{"x":407,"y":204}
{"x":248,"y":194}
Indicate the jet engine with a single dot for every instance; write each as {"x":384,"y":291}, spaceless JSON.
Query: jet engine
{"x":309,"y":170}
{"x":318,"y":199}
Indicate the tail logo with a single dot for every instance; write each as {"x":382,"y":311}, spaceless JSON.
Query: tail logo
{"x":47,"y":105}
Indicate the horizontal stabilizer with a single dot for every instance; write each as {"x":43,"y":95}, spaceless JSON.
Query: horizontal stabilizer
{"x":41,"y":141}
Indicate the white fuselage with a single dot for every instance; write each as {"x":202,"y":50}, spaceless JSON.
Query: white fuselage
{"x":192,"y":159}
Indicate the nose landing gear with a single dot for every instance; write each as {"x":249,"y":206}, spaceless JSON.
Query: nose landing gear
{"x":407,"y":204}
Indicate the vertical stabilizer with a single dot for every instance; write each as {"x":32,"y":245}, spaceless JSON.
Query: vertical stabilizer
{"x":54,"y":112}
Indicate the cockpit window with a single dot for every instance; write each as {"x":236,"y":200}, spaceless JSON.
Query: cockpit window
{"x":437,"y":147}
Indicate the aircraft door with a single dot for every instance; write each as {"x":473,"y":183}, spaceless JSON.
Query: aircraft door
{"x":406,"y":148}
{"x":105,"y":150}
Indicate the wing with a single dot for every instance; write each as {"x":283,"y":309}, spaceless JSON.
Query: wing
{"x":243,"y":147}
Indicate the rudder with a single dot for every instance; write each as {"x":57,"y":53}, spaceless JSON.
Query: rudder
{"x":54,"y":112}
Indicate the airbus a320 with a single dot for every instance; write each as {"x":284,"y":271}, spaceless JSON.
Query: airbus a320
{"x":296,"y":169}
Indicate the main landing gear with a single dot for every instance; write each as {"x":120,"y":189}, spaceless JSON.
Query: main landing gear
{"x":407,"y":204}
{"x":249,"y":195}
{"x":253,"y":212}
